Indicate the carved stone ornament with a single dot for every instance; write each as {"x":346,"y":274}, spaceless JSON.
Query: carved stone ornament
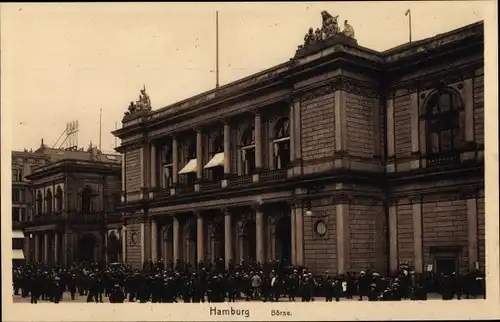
{"x":142,"y":104}
{"x":329,"y":28}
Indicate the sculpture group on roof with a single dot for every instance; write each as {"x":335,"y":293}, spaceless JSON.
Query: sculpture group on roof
{"x":142,"y":104}
{"x":329,"y":28}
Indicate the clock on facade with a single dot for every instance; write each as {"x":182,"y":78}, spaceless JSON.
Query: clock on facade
{"x":321,"y":228}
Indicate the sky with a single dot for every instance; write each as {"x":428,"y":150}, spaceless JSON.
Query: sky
{"x":65,"y":62}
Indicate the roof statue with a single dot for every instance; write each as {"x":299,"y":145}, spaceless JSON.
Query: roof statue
{"x":348,"y":30}
{"x":329,"y":28}
{"x":142,"y":104}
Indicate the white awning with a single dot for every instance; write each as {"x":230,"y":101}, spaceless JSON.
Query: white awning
{"x":217,"y":160}
{"x":17,"y":234}
{"x":17,"y":254}
{"x":190,"y":167}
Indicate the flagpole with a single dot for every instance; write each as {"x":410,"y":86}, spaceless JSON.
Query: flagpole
{"x":217,"y":49}
{"x":100,"y":128}
{"x":409,"y":18}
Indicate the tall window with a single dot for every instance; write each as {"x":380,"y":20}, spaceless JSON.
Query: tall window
{"x":217,"y":147}
{"x":248,"y":150}
{"x":167,"y":163}
{"x":49,"y":200}
{"x":281,"y":143}
{"x":16,"y":195}
{"x":191,"y":148}
{"x":444,"y":114}
{"x":59,"y":199}
{"x":87,"y":200}
{"x":16,"y":214}
{"x":15,"y":174}
{"x":39,"y":203}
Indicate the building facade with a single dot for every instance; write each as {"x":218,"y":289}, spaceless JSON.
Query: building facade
{"x":74,"y":200}
{"x":341,"y":159}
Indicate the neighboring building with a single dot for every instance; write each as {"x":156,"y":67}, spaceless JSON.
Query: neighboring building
{"x":74,"y":196}
{"x":22,"y":164}
{"x":341,"y":159}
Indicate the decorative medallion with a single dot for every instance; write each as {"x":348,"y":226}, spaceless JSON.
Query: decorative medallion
{"x":321,"y":228}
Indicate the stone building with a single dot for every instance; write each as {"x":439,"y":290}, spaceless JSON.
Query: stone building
{"x":74,"y":198}
{"x":342,"y":159}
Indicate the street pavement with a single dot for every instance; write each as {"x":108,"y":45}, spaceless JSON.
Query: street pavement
{"x":83,"y":299}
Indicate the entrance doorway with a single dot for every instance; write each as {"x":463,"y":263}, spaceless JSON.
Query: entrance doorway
{"x":446,"y":265}
{"x":284,"y":240}
{"x":86,"y":248}
{"x":114,"y":247}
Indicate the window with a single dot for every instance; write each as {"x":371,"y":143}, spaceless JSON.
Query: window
{"x":16,"y":214}
{"x":59,"y":199}
{"x":168,"y":176}
{"x":281,"y":143}
{"x":168,"y":161}
{"x":16,"y":195}
{"x":191,"y":148}
{"x":49,"y":201}
{"x":444,"y":114}
{"x":17,"y":175}
{"x":39,"y":203}
{"x":217,"y":147}
{"x":248,"y":150}
{"x":87,"y":200}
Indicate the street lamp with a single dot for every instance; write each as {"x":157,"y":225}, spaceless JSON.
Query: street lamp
{"x":311,"y":190}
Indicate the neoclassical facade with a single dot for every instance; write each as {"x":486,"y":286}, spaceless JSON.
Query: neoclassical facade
{"x":74,"y":217}
{"x":340,"y":159}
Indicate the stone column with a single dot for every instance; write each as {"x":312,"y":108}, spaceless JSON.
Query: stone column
{"x":176,"y":236}
{"x":65,"y":248}
{"x":56,"y":248}
{"x":340,"y":122}
{"x":199,"y":154}
{"x":106,"y":257}
{"x":142,"y":166}
{"x":259,"y":235}
{"x":417,"y":235}
{"x":46,"y":248}
{"x":227,"y":148}
{"x":296,"y":129}
{"x":154,"y":240}
{"x":124,"y":244}
{"x":468,"y":94}
{"x":393,"y":238}
{"x":37,"y":247}
{"x":200,"y":238}
{"x":143,"y":255}
{"x":390,"y":128}
{"x":228,"y":241}
{"x":299,"y":245}
{"x":153,"y":166}
{"x":343,"y":238}
{"x":292,"y":130}
{"x":472,"y":232}
{"x":258,"y":140}
{"x":293,"y":225}
{"x":175,"y":161}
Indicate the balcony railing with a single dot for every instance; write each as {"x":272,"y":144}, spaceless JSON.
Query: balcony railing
{"x":241,"y":181}
{"x":162,"y":193}
{"x":184,"y":188}
{"x":45,"y":219}
{"x":443,"y":159}
{"x":210,"y":185}
{"x":273,"y":175}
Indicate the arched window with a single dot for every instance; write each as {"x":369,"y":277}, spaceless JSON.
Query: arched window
{"x":87,"y":200}
{"x":39,"y":203}
{"x":59,"y":199}
{"x":217,"y":144}
{"x":48,"y":199}
{"x":191,"y":148}
{"x":444,"y":115}
{"x":248,"y":150}
{"x":281,"y":143}
{"x":217,"y":147}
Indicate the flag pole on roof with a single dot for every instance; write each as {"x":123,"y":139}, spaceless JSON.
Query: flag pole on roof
{"x":408,"y":13}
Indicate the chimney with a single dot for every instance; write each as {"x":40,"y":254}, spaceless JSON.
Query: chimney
{"x":42,"y":143}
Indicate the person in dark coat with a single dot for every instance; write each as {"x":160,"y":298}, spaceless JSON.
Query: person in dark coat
{"x":117,"y":295}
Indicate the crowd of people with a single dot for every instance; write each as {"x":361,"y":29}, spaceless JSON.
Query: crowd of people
{"x":247,"y":281}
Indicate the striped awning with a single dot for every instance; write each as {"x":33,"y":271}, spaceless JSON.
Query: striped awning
{"x":17,"y":254}
{"x":17,"y":234}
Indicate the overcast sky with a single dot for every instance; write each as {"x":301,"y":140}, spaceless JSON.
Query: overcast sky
{"x":63,"y":62}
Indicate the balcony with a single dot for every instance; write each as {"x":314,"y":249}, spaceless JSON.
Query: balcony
{"x":241,"y":181}
{"x":89,"y":218}
{"x":113,"y":217}
{"x":269,"y":176}
{"x":440,"y":160}
{"x":45,"y":219}
{"x":210,"y":185}
{"x":162,"y":193}
{"x":184,"y":188}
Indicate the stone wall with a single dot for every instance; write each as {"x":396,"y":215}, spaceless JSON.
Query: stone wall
{"x":479,"y":106}
{"x":481,"y":233}
{"x":133,"y":170}
{"x":318,"y":127}
{"x":405,"y":232}
{"x":445,"y":226}
{"x":360,"y":111}
{"x":320,"y":252}
{"x":133,"y":250}
{"x":367,"y":237}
